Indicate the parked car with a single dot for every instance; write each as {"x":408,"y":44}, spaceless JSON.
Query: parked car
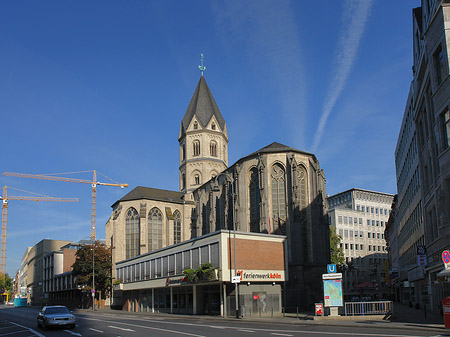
{"x":56,"y":316}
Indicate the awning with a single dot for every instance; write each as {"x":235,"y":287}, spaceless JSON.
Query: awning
{"x":444,"y":272}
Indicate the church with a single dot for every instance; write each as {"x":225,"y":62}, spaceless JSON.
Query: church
{"x":263,"y":219}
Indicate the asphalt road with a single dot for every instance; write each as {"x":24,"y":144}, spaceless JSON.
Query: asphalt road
{"x":21,"y":322}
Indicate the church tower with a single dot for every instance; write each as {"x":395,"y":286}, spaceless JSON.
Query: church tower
{"x":203,"y":140}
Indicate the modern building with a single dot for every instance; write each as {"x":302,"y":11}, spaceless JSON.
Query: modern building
{"x":360,"y":217}
{"x":423,"y":162}
{"x":277,"y":190}
{"x":35,"y":269}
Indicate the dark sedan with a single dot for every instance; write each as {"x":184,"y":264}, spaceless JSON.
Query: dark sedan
{"x":56,"y":316}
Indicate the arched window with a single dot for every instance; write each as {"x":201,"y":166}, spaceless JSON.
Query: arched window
{"x":176,"y":227}
{"x":195,"y":125}
{"x":183,"y":178}
{"x":302,"y":184}
{"x":255,"y":200}
{"x":213,"y":126}
{"x":213,"y":148}
{"x":196,"y":179}
{"x":183,"y":155}
{"x":132,"y":233}
{"x":278,"y":197}
{"x":154,"y":222}
{"x":196,"y":145}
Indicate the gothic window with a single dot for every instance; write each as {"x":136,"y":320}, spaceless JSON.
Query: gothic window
{"x":278,"y":196}
{"x":213,"y":149}
{"x":196,"y":145}
{"x":154,"y":222}
{"x":195,"y":125}
{"x":213,"y":126}
{"x":197,"y":179}
{"x":183,"y":155}
{"x":183,"y":178}
{"x":255,"y":200}
{"x":176,"y":227}
{"x":132,"y":233}
{"x":302,"y":182}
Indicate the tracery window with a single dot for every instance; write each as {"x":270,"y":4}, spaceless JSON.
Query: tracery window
{"x":255,"y":200}
{"x":132,"y":233}
{"x":279,"y":196}
{"x":213,"y":148}
{"x":176,"y":227}
{"x":196,"y":145}
{"x":154,"y":222}
{"x":195,"y":125}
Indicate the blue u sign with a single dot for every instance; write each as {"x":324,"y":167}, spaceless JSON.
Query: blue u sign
{"x":331,"y":268}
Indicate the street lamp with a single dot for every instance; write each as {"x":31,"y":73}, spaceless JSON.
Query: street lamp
{"x":216,"y":188}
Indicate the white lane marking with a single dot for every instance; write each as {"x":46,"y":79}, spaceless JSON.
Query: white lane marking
{"x":13,"y":333}
{"x":118,"y":327}
{"x":73,"y":333}
{"x":244,"y":330}
{"x":280,"y":334}
{"x":29,"y":329}
{"x":148,"y":327}
{"x":99,"y":331}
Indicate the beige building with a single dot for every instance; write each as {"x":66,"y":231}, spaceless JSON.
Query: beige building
{"x":360,"y":218}
{"x":277,"y":190}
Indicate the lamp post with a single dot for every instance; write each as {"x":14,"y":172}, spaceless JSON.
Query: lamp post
{"x":93,"y":277}
{"x":233,"y":196}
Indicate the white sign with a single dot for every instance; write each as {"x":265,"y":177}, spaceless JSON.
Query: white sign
{"x":331,"y":276}
{"x":236,"y":279}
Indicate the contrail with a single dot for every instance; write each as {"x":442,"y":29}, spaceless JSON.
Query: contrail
{"x":356,"y":13}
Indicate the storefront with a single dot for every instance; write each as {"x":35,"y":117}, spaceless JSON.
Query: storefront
{"x":195,"y":277}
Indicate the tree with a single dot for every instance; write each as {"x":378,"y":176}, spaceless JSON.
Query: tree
{"x":336,"y":252}
{"x":82,"y":268}
{"x":6,"y":285}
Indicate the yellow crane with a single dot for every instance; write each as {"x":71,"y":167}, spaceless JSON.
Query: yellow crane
{"x":93,"y":183}
{"x":5,"y":199}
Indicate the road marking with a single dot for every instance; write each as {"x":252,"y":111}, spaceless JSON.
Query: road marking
{"x":29,"y":329}
{"x":118,"y":327}
{"x":280,"y":334}
{"x":100,"y":331}
{"x":73,"y":333}
{"x":243,"y":330}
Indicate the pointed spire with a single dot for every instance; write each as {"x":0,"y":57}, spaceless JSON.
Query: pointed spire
{"x":203,"y":106}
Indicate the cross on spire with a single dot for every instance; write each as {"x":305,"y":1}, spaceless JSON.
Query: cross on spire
{"x":201,"y":66}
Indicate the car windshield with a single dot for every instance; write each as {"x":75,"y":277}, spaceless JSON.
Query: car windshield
{"x":58,"y":310}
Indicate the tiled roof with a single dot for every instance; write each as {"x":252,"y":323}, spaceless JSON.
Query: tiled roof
{"x":149,"y":193}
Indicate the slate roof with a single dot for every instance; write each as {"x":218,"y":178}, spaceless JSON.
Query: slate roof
{"x":277,"y":147}
{"x":141,"y":192}
{"x":203,"y":106}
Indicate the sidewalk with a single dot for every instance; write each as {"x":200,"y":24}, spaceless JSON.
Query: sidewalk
{"x":403,"y":317}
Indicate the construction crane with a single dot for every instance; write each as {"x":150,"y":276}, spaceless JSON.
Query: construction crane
{"x":5,"y":199}
{"x":93,"y":183}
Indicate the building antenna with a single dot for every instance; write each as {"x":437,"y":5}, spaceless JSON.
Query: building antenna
{"x":201,"y":66}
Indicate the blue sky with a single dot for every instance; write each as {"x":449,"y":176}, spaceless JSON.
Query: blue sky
{"x":104,"y":85}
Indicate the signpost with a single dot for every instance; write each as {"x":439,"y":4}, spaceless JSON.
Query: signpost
{"x":332,"y":289}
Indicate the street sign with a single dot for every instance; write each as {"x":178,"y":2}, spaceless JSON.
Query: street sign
{"x":331,"y":268}
{"x":235,"y":279}
{"x":93,"y":291}
{"x":421,"y":250}
{"x":331,"y":276}
{"x":446,"y":258}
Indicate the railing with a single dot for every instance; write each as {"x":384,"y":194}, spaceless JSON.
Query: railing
{"x":368,"y":308}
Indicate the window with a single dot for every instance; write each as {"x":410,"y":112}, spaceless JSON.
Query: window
{"x":373,"y":222}
{"x":360,"y":221}
{"x":370,"y":248}
{"x":351,"y":246}
{"x":350,"y":220}
{"x":368,"y":235}
{"x":368,"y":222}
{"x":154,"y":222}
{"x":378,"y":235}
{"x":213,"y":126}
{"x":356,"y":234}
{"x":373,"y":235}
{"x":346,"y":233}
{"x":439,"y":64}
{"x":378,"y":223}
{"x":446,"y":129}
{"x":176,"y":227}
{"x":340,"y":219}
{"x":196,"y":145}
{"x":255,"y":200}
{"x":358,"y":207}
{"x":382,"y":224}
{"x":362,"y":208}
{"x":278,"y":196}
{"x":371,"y":210}
{"x":355,"y":221}
{"x":345,"y":220}
{"x":197,"y":179}
{"x":195,"y":125}
{"x":376,"y":210}
{"x":132,"y":233}
{"x":213,"y":148}
{"x":346,"y":246}
{"x":361,"y":247}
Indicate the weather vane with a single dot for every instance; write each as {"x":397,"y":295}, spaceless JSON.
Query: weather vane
{"x":201,"y":66}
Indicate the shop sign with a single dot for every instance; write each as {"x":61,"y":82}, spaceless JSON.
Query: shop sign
{"x":270,"y":276}
{"x":174,"y":281}
{"x":416,"y":274}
